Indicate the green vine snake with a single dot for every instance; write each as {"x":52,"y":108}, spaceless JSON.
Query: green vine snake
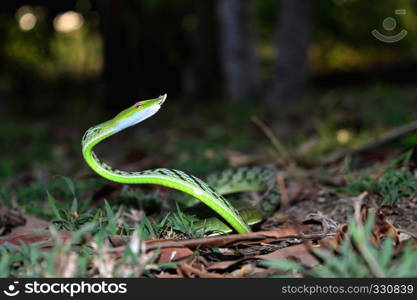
{"x":226,"y":182}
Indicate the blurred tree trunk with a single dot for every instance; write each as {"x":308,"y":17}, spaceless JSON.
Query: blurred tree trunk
{"x":292,"y":43}
{"x":201,"y":75}
{"x":119,"y":25}
{"x":237,"y":48}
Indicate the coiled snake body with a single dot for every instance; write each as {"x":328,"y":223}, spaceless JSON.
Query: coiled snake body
{"x":228,"y":181}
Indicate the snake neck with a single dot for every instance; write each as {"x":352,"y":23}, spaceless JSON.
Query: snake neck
{"x":91,"y":138}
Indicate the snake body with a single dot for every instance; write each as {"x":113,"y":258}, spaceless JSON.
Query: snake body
{"x":228,"y":181}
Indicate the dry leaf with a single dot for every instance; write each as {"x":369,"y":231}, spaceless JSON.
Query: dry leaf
{"x":174,"y":255}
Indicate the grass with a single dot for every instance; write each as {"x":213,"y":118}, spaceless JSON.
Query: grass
{"x":76,"y":257}
{"x":356,"y":257}
{"x":65,"y":259}
{"x":391,"y":183}
{"x":112,"y":219}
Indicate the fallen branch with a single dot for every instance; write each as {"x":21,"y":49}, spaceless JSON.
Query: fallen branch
{"x":387,"y":138}
{"x":221,"y":241}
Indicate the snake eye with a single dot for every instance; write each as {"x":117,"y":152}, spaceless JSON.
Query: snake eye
{"x":138,"y":105}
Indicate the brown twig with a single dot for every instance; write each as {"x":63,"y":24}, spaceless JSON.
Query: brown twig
{"x":188,"y":270}
{"x":389,"y":137}
{"x":282,"y":154}
{"x":220,"y":241}
{"x":285,"y":200}
{"x":279,"y":147}
{"x":361,"y":245}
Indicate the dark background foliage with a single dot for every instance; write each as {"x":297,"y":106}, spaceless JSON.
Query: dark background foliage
{"x":265,"y":51}
{"x":307,"y":68}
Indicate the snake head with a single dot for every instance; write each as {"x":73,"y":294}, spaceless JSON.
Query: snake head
{"x":149,"y":103}
{"x":137,"y":113}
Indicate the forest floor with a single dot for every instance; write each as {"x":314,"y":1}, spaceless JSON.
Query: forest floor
{"x":346,"y":171}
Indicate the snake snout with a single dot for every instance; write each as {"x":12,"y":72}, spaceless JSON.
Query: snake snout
{"x":162,"y":99}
